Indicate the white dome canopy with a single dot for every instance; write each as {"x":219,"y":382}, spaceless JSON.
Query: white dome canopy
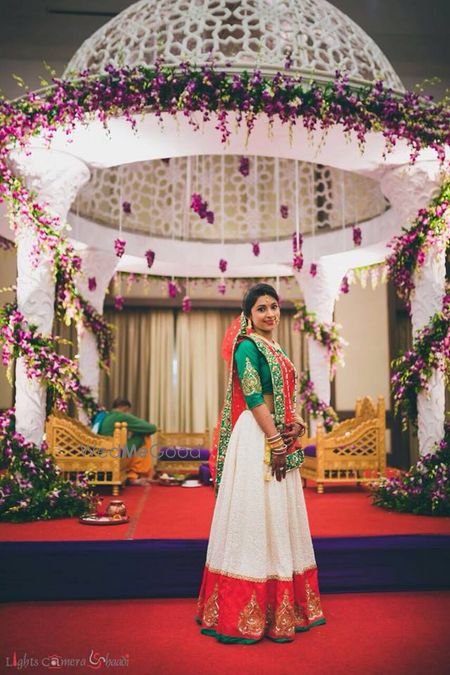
{"x":237,"y":34}
{"x":246,"y":207}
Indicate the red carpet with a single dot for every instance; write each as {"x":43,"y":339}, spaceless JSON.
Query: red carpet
{"x":181,"y":513}
{"x":366,"y":634}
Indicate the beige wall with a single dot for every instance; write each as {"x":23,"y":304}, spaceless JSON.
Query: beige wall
{"x":363,"y":314}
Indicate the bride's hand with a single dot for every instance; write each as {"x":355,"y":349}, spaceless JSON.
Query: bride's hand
{"x":278,"y":463}
{"x":292,"y":431}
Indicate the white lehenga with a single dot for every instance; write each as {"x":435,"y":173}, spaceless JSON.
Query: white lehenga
{"x":260,"y":575}
{"x":260,"y":527}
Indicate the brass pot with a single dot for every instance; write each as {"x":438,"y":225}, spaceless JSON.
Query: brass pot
{"x":116,"y":509}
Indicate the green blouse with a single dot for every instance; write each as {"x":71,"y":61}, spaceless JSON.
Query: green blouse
{"x":254,"y":373}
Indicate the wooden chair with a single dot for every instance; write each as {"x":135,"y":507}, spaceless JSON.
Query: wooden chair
{"x":76,"y":449}
{"x":353,"y":451}
{"x":180,"y":442}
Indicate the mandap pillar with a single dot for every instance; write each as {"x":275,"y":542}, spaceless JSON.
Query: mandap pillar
{"x":55,"y":178}
{"x":99,"y":266}
{"x":320,"y":293}
{"x":410,"y":188}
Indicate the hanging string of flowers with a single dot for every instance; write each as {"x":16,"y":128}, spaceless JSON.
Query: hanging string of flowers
{"x":432,"y":226}
{"x":19,"y":339}
{"x":200,"y":206}
{"x":317,"y":408}
{"x":70,"y":304}
{"x":325,"y":333}
{"x":413,"y":369}
{"x":244,"y":166}
{"x":32,"y":488}
{"x":424,"y":489}
{"x":297,"y":243}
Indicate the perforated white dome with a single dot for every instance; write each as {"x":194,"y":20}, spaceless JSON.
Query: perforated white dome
{"x":241,"y":33}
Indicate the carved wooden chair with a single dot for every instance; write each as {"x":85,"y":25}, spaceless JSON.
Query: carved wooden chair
{"x":354,"y":451}
{"x":76,"y":449}
{"x":181,"y":452}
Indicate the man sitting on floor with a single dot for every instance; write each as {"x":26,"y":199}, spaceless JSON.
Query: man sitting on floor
{"x":139,"y":469}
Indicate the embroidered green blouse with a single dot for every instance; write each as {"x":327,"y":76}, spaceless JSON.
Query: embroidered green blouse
{"x":254,"y":373}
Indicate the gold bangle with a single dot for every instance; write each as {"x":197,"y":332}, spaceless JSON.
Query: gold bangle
{"x":276,"y":446}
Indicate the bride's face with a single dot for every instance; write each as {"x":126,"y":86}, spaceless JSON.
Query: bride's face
{"x":265,"y":314}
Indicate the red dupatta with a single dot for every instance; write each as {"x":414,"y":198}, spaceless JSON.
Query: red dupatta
{"x":284,"y":384}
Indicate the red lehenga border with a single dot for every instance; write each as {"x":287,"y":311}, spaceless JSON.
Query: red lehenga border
{"x":242,"y":610}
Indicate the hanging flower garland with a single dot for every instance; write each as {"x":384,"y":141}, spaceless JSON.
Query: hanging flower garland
{"x":424,"y":489}
{"x":345,"y":285}
{"x":19,"y":339}
{"x":244,"y":166}
{"x":163,"y":88}
{"x":324,"y":333}
{"x":172,"y":289}
{"x":150,"y":257}
{"x":431,"y":226}
{"x":413,"y":370}
{"x":70,"y":304}
{"x":200,"y":206}
{"x":357,"y":235}
{"x":119,"y":247}
{"x":119,"y":302}
{"x":186,"y":304}
{"x":309,"y":400}
{"x":297,"y":244}
{"x":32,"y":487}
{"x":223,"y":264}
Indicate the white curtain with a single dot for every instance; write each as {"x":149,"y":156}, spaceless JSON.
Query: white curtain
{"x":143,"y":364}
{"x":199,"y":390}
{"x":170,"y":365}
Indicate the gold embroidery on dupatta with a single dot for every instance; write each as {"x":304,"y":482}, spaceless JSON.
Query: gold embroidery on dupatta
{"x":251,"y":619}
{"x":251,"y":382}
{"x":313,"y":606}
{"x":284,"y":617}
{"x":211,"y":611}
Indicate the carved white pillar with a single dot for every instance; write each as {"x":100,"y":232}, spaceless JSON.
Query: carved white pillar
{"x":410,"y":188}
{"x":100,"y":266}
{"x":55,"y":178}
{"x":320,"y":293}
